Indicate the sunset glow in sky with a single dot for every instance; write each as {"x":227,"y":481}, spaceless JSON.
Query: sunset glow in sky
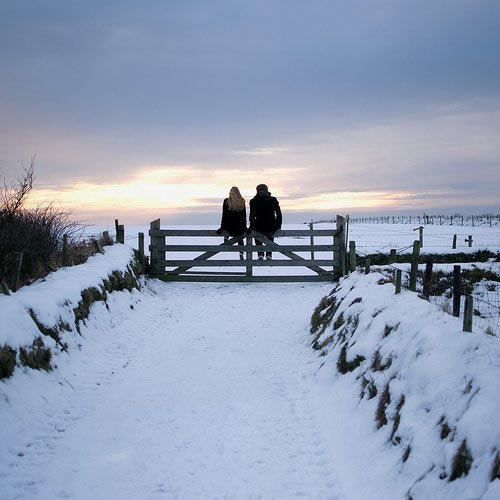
{"x":140,"y":110}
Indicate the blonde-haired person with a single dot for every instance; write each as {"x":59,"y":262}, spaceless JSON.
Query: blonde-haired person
{"x":234,"y":216}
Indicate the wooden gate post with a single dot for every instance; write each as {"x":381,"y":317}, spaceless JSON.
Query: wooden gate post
{"x":414,"y":265}
{"x":352,"y":256}
{"x":311,"y":239}
{"x":341,"y":240}
{"x":456,"y":291}
{"x":153,"y":248}
{"x":454,"y":241}
{"x":140,"y":241}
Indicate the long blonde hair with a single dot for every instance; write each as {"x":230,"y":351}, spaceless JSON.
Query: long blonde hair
{"x":235,"y":202}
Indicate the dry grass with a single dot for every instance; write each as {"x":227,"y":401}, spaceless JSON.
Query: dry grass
{"x":7,"y":361}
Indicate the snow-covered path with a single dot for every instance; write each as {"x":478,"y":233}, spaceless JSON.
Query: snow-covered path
{"x":202,"y":391}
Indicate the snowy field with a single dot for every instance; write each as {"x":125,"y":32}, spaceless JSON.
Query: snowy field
{"x":369,"y":238}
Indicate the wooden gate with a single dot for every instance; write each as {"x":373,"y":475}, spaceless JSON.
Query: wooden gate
{"x":163,"y":255}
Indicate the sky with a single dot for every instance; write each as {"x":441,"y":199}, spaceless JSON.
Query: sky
{"x":140,"y":110}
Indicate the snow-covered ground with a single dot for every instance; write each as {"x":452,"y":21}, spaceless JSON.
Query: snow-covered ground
{"x":200,"y":391}
{"x":213,"y":391}
{"x":53,"y":298}
{"x":410,"y":400}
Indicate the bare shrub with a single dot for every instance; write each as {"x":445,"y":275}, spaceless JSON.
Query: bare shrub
{"x":36,"y":232}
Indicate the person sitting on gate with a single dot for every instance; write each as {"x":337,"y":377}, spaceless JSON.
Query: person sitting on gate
{"x":265,"y":216}
{"x":234,"y":216}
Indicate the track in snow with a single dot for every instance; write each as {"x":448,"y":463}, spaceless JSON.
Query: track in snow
{"x":203,"y":391}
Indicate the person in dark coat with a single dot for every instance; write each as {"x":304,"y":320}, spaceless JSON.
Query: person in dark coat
{"x":234,"y":216}
{"x":265,"y":216}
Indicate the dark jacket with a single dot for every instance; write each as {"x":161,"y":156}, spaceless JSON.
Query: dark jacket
{"x":265,"y":213}
{"x":233,"y":221}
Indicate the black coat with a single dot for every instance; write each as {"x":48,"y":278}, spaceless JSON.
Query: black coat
{"x":265,"y":214}
{"x":233,"y":221}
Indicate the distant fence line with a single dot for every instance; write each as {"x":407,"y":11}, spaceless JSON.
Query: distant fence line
{"x":438,"y":220}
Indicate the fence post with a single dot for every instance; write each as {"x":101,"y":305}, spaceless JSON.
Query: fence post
{"x":249,"y":268}
{"x":97,"y":246}
{"x":456,"y":291}
{"x":341,"y":239}
{"x":65,"y":250}
{"x":469,"y":240}
{"x":116,"y":230}
{"x":414,"y":265}
{"x":392,"y":256}
{"x":398,"y":280}
{"x":105,"y":237}
{"x":420,"y":235}
{"x":428,"y":278}
{"x":141,"y":247}
{"x":368,"y":263}
{"x":352,"y":256}
{"x":4,"y":286}
{"x":153,"y":248}
{"x":120,"y":235}
{"x":311,"y":227}
{"x":454,"y":241}
{"x":468,"y":308}
{"x":17,"y":275}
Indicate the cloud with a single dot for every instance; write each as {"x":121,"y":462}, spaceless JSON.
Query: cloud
{"x":263,"y":151}
{"x":221,"y":93}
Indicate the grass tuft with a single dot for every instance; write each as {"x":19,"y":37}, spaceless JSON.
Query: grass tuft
{"x":383,"y":402}
{"x":461,"y":462}
{"x":37,"y":356}
{"x":495,"y":470}
{"x":397,"y":420}
{"x":357,"y":300}
{"x":7,"y":361}
{"x":344,"y":366}
{"x":339,"y":321}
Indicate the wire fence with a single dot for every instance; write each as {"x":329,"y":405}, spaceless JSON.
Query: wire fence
{"x":437,"y":220}
{"x":482,"y":284}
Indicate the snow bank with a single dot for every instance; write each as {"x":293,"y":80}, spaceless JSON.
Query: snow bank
{"x":412,"y":401}
{"x":53,"y":307}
